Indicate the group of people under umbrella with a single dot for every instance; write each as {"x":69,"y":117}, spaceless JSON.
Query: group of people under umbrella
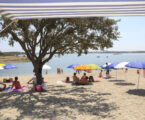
{"x":116,"y":65}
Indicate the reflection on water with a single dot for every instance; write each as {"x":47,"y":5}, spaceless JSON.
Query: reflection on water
{"x":63,"y":61}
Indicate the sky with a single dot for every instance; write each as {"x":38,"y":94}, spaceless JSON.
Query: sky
{"x":132,"y":31}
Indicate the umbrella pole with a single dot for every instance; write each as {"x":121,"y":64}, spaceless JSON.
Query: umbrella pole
{"x":138,"y":80}
{"x":116,"y":74}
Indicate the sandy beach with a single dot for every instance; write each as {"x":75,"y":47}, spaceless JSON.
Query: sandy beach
{"x":105,"y":99}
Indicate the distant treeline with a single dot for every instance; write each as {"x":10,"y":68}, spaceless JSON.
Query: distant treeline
{"x":11,"y":53}
{"x":118,"y":52}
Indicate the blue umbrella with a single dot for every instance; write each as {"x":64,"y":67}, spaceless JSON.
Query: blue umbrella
{"x":9,"y":66}
{"x":72,"y":66}
{"x":113,"y":65}
{"x":138,"y":65}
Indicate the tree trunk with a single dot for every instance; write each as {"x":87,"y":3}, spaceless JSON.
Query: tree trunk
{"x":38,"y":72}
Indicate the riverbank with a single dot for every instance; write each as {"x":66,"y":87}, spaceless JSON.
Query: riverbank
{"x":105,"y":99}
{"x":10,"y":59}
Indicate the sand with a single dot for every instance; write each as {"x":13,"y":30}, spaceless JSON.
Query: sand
{"x":106,"y":99}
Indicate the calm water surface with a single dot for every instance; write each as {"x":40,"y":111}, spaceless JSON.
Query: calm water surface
{"x":66,"y":60}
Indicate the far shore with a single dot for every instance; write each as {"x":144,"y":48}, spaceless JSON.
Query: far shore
{"x":7,"y":59}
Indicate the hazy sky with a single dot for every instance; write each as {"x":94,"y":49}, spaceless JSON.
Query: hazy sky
{"x":132,"y":31}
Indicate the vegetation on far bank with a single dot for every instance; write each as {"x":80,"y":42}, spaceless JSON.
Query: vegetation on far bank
{"x":8,"y":59}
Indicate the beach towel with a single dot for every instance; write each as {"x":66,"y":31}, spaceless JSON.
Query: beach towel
{"x":7,"y":90}
{"x":20,"y":90}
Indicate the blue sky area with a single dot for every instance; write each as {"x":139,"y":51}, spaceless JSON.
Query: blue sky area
{"x":132,"y":31}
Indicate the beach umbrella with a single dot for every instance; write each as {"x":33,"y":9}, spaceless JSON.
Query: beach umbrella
{"x":95,"y":67}
{"x":112,"y":66}
{"x":121,"y":65}
{"x":39,"y":9}
{"x":46,"y":67}
{"x":1,"y":68}
{"x":9,"y":66}
{"x":137,"y":65}
{"x":2,"y":65}
{"x":72,"y":66}
{"x":80,"y":67}
{"x":87,"y":67}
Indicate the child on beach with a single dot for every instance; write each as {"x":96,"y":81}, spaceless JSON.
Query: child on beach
{"x":100,"y":74}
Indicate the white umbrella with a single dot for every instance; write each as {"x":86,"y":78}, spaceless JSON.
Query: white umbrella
{"x":121,"y":65}
{"x":46,"y":67}
{"x":1,"y":68}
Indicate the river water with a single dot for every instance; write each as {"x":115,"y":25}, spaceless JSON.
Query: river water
{"x":62,"y":62}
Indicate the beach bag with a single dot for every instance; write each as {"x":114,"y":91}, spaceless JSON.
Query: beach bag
{"x":38,"y":88}
{"x":4,"y":80}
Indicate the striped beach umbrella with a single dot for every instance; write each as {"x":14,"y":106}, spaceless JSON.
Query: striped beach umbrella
{"x":37,"y":9}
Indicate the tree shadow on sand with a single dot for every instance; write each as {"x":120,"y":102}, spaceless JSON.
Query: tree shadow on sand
{"x":139,"y":92}
{"x":59,"y":101}
{"x":125,"y":84}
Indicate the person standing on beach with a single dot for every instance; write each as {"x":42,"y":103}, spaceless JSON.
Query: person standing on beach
{"x":107,"y":70}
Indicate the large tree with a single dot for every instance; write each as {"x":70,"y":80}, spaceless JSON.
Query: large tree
{"x":59,"y":36}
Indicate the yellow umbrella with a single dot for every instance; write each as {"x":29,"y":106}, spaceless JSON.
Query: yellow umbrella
{"x":95,"y":67}
{"x":87,"y":67}
{"x":80,"y":67}
{"x":2,"y":65}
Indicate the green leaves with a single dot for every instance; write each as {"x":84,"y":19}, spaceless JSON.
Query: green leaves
{"x":62,"y":36}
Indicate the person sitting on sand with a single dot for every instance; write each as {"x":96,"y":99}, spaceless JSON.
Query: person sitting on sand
{"x":84,"y":76}
{"x":33,"y":80}
{"x":91,"y":79}
{"x":67,"y":80}
{"x":44,"y":86}
{"x":75,"y":79}
{"x":16,"y":84}
{"x":84,"y":80}
{"x":2,"y":86}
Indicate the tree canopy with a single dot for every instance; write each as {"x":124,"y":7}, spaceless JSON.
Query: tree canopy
{"x":60,"y":36}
